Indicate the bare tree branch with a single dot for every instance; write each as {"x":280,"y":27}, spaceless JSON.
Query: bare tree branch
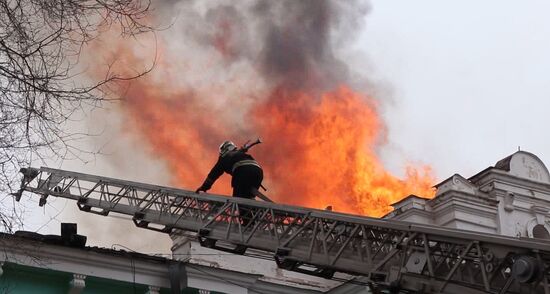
{"x":40,"y":46}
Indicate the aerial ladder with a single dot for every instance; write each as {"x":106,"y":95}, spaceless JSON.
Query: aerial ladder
{"x":389,"y":256}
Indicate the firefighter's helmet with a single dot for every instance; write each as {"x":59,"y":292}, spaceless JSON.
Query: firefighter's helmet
{"x":227,"y":146}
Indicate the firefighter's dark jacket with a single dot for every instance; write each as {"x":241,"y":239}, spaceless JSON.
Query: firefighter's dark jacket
{"x":226,"y":164}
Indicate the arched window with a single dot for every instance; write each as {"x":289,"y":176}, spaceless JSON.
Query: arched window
{"x":539,"y":231}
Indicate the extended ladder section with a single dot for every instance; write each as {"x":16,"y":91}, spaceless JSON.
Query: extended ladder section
{"x":391,"y":255}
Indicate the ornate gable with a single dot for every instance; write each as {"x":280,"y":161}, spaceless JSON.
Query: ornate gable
{"x":455,"y":183}
{"x":525,"y":165}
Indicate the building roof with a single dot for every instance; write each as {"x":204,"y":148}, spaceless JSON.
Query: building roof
{"x":58,"y":240}
{"x":53,"y":252}
{"x":411,"y":196}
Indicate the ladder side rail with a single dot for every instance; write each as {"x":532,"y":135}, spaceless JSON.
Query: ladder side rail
{"x":445,"y":234}
{"x":151,"y":187}
{"x":173,"y":193}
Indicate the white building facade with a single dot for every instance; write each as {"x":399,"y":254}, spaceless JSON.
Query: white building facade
{"x":511,"y":198}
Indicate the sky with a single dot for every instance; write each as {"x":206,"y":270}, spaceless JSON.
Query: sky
{"x":462,"y":84}
{"x":469,"y":79}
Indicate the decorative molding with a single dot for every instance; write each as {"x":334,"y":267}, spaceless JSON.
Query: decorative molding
{"x":453,"y":195}
{"x":411,"y":212}
{"x":455,"y":183}
{"x":540,"y":213}
{"x":466,"y":202}
{"x":486,"y":188}
{"x":498,"y":178}
{"x":77,"y":284}
{"x":509,"y":201}
{"x":153,"y":290}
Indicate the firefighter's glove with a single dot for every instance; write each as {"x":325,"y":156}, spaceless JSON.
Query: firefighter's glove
{"x":201,"y":188}
{"x":206,"y":185}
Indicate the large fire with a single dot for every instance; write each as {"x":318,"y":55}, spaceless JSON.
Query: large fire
{"x":318,"y":150}
{"x":320,"y":145}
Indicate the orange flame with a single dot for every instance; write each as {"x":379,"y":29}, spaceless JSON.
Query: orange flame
{"x":323,"y":153}
{"x":319,"y":150}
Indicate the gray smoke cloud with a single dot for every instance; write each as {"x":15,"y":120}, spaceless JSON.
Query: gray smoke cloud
{"x":289,"y":43}
{"x":299,"y":37}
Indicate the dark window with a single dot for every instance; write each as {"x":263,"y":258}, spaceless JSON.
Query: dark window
{"x":539,"y":231}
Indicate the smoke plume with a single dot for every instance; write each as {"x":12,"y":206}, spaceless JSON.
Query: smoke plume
{"x":238,"y":70}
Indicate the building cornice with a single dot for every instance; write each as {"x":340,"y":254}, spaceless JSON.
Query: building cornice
{"x":495,"y":175}
{"x":130,"y":267}
{"x":451,"y":195}
{"x":400,"y":214}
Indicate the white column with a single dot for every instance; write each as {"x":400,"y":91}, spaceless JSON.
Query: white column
{"x":181,"y":246}
{"x":77,"y":284}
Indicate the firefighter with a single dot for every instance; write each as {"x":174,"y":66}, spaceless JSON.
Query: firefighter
{"x":245,"y":171}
